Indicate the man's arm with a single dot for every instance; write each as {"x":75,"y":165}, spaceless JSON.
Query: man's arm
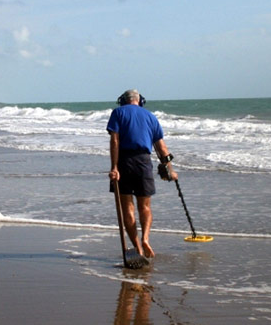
{"x":114,"y":154}
{"x":161,"y":148}
{"x":162,"y":151}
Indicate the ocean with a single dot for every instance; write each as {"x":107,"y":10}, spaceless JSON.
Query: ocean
{"x":54,"y":163}
{"x":228,"y":135}
{"x":228,"y":139}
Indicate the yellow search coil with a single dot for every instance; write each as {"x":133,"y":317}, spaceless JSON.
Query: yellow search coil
{"x":199,"y":239}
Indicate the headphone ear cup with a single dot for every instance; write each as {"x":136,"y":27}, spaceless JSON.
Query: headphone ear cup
{"x":121,"y":100}
{"x":142,"y":100}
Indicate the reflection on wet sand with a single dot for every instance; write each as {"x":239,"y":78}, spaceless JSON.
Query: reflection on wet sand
{"x":197,"y":262}
{"x":139,"y":302}
{"x":133,"y":305}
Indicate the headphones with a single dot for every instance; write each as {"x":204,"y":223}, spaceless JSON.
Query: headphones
{"x":121,"y":100}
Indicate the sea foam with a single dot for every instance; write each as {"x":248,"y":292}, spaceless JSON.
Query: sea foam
{"x":234,"y":145}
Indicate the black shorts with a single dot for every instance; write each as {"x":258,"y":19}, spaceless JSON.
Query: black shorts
{"x":136,"y":174}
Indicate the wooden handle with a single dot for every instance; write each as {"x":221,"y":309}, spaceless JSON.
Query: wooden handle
{"x":120,"y":218}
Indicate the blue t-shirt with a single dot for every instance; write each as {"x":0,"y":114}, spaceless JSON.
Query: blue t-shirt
{"x":137,"y":127}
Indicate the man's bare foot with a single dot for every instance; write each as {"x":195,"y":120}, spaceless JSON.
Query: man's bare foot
{"x":147,"y":249}
{"x":140,"y":250}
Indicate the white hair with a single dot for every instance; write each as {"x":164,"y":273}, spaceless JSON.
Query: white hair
{"x":131,"y":94}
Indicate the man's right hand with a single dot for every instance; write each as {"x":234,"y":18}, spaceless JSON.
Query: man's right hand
{"x":174,"y":175}
{"x":167,"y":173}
{"x":114,"y":174}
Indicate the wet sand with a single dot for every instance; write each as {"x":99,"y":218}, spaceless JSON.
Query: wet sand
{"x":66,"y":276}
{"x":40,"y":285}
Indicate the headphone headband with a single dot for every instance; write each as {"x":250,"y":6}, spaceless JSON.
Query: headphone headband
{"x":122,"y":101}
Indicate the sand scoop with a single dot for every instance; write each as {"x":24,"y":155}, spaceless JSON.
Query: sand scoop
{"x":131,"y":258}
{"x":194,"y":238}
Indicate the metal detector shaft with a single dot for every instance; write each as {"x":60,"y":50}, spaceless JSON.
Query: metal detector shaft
{"x":185,"y":209}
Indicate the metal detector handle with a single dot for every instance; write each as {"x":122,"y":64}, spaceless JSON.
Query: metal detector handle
{"x":194,"y":235}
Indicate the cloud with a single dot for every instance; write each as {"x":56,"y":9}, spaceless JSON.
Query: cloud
{"x":26,"y":54}
{"x":45,"y":63}
{"x":11,"y":3}
{"x":22,"y":35}
{"x":92,"y":50}
{"x":125,"y":32}
{"x":29,"y":49}
{"x":263,"y":19}
{"x":264,"y":32}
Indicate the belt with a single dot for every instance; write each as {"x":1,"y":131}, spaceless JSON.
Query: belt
{"x":133,"y":152}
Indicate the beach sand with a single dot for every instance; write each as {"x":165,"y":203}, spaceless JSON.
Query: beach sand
{"x":40,"y":285}
{"x":44,"y":280}
{"x":74,"y":275}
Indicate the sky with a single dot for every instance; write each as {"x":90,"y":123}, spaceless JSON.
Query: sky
{"x":93,"y":50}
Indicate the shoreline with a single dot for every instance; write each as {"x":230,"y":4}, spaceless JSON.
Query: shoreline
{"x":80,"y":226}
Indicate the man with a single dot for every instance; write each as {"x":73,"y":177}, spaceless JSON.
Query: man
{"x":134,"y":130}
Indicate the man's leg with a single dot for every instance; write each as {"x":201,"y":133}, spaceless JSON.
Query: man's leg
{"x":130,"y":221}
{"x":145,"y":217}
